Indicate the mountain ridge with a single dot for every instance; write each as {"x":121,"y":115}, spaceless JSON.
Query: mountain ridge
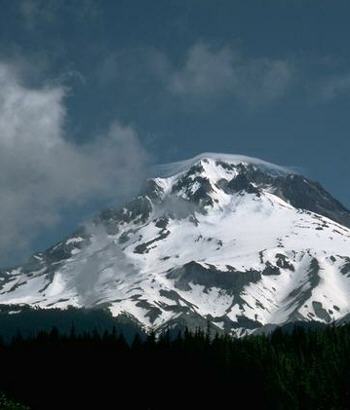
{"x":238,"y":242}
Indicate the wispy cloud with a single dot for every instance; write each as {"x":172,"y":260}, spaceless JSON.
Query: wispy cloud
{"x":333,"y":87}
{"x":37,"y":12}
{"x":41,"y":172}
{"x":220,"y":72}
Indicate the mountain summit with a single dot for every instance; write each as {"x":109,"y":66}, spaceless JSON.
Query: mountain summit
{"x":232,"y":240}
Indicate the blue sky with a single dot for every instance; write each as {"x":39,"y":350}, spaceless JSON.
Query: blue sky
{"x":159,"y":81}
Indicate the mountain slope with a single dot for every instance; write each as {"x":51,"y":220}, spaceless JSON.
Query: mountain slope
{"x":229,"y":239}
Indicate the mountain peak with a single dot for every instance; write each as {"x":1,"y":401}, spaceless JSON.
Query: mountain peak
{"x":226,"y":238}
{"x":206,"y":177}
{"x":219,"y":159}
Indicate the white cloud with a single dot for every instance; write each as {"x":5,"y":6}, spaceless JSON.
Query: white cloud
{"x":216,"y":73}
{"x":41,"y":172}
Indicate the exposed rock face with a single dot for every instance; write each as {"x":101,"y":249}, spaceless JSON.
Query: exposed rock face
{"x":230,"y":241}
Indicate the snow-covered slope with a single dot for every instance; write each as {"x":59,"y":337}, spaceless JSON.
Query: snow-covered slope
{"x":229,"y":239}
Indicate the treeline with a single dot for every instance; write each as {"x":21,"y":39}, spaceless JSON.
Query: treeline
{"x":31,"y":320}
{"x":7,"y":404}
{"x":305,"y":369}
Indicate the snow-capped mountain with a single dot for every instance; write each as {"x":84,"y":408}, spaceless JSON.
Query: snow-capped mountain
{"x":229,"y":239}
